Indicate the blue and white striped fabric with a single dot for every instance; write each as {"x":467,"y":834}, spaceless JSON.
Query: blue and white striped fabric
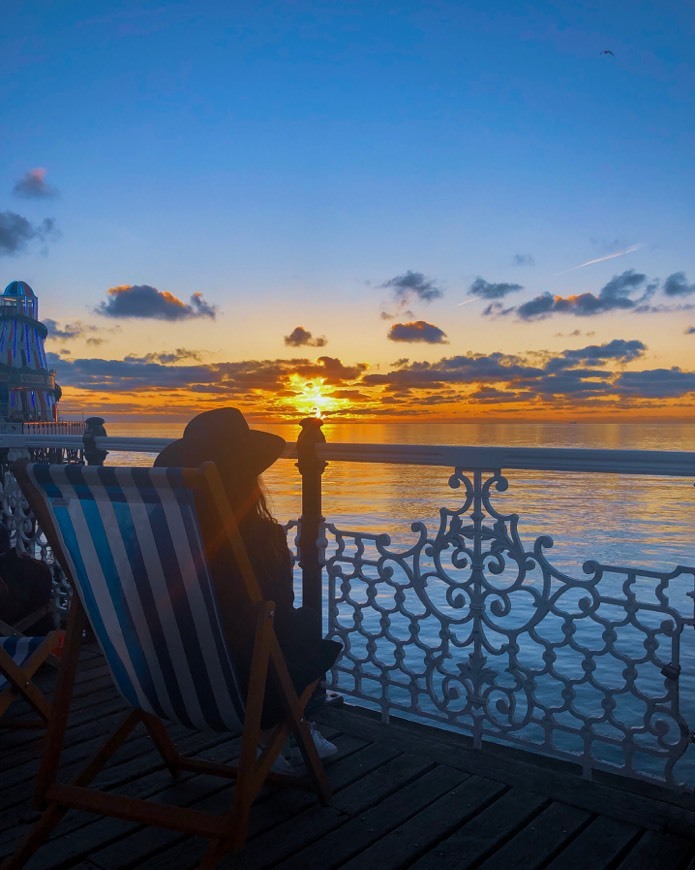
{"x":134,"y":549}
{"x":20,"y":650}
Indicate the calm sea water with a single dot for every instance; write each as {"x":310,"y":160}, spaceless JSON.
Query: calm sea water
{"x":619,"y":520}
{"x":637,"y":521}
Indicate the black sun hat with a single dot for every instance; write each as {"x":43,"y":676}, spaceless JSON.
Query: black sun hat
{"x":223,"y":436}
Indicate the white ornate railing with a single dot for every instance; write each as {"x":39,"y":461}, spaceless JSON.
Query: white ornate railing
{"x":469,"y":627}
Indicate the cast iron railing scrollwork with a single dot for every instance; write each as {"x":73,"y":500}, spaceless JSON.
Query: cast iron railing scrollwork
{"x":469,"y":628}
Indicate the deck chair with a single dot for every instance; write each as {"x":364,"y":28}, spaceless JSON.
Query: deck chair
{"x":20,"y":659}
{"x":153,"y":554}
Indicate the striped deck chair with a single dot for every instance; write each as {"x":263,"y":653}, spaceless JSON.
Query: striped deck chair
{"x":20,"y":659}
{"x":153,"y":554}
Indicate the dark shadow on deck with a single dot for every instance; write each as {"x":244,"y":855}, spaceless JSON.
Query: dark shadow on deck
{"x":405,"y":796}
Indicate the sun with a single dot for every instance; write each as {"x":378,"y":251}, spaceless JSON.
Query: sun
{"x":310,"y":400}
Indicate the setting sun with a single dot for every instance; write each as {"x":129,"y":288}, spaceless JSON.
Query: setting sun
{"x":311,"y":399}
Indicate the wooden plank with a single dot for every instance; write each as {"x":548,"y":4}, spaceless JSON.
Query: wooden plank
{"x":540,"y":840}
{"x":655,"y":849}
{"x":372,"y":819}
{"x":273,"y":808}
{"x":485,"y":832}
{"x":599,"y":845}
{"x":356,"y":840}
{"x":155,"y":778}
{"x":634,"y":802}
{"x":370,"y":802}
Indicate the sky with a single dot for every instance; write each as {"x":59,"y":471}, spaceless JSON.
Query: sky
{"x":466,"y":210}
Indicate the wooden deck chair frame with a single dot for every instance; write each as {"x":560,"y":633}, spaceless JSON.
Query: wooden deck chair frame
{"x":227,"y":831}
{"x":20,"y":659}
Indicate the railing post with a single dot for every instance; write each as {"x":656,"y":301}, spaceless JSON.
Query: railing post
{"x":311,"y":468}
{"x":93,"y":427}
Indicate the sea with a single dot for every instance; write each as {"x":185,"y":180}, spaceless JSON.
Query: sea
{"x":634,"y":521}
{"x":616,"y":519}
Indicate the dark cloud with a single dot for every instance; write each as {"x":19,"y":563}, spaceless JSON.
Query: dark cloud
{"x":486,"y":290}
{"x":300,"y":337}
{"x":141,"y":300}
{"x":690,"y":330}
{"x":16,"y":232}
{"x":167,"y":357}
{"x":413,"y":285}
{"x":329,"y":368}
{"x":656,"y":384}
{"x":138,"y":374}
{"x":33,"y":185}
{"x":492,"y":368}
{"x":417,"y":331}
{"x":523,"y":260}
{"x":575,"y":333}
{"x":573,"y":374}
{"x":619,"y":350}
{"x":491,"y":395}
{"x":586,"y":375}
{"x":677,"y":285}
{"x":72,"y":330}
{"x":617,"y":295}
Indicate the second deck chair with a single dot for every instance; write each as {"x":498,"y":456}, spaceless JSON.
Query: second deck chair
{"x":20,"y":659}
{"x":152,"y":554}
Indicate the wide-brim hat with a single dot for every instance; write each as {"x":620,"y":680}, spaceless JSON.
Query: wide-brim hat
{"x":223,"y":436}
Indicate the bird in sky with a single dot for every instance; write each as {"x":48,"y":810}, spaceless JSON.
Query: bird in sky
{"x":607,"y":51}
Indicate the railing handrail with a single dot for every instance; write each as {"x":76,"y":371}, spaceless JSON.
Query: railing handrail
{"x":669,"y":463}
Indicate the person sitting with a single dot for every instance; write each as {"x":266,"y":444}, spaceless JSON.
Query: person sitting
{"x":241,"y":454}
{"x":26,"y":587}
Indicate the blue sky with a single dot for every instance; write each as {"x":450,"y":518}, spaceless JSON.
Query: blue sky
{"x":351,"y":170}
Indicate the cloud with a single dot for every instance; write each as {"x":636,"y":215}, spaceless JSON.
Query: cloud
{"x":141,"y":300}
{"x":417,"y":331}
{"x":70,"y":330}
{"x":657,"y":383}
{"x":166,"y":357}
{"x":77,"y":329}
{"x":618,"y":350}
{"x":300,"y":337}
{"x":413,"y":285}
{"x":690,"y":330}
{"x":481,"y":287}
{"x":591,"y":378}
{"x":574,"y":334}
{"x":16,"y":232}
{"x":33,"y":185}
{"x":677,"y":285}
{"x":523,"y":260}
{"x":221,"y":380}
{"x":579,"y":374}
{"x":625,"y":292}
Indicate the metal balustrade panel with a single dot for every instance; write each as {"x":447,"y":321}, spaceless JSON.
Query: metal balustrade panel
{"x":469,"y":628}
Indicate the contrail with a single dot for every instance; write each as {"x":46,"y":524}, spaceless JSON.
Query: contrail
{"x":466,"y":301}
{"x":601,"y":259}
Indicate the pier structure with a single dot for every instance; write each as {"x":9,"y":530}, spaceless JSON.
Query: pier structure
{"x":28,"y":391}
{"x":497,"y":711}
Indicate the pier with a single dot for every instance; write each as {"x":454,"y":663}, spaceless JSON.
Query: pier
{"x":404,"y":796}
{"x":463,"y":761}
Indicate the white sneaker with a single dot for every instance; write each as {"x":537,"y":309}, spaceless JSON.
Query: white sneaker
{"x":324,"y":747}
{"x":282,"y":763}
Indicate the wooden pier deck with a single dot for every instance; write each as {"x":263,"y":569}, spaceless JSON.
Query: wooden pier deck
{"x":404,"y":796}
